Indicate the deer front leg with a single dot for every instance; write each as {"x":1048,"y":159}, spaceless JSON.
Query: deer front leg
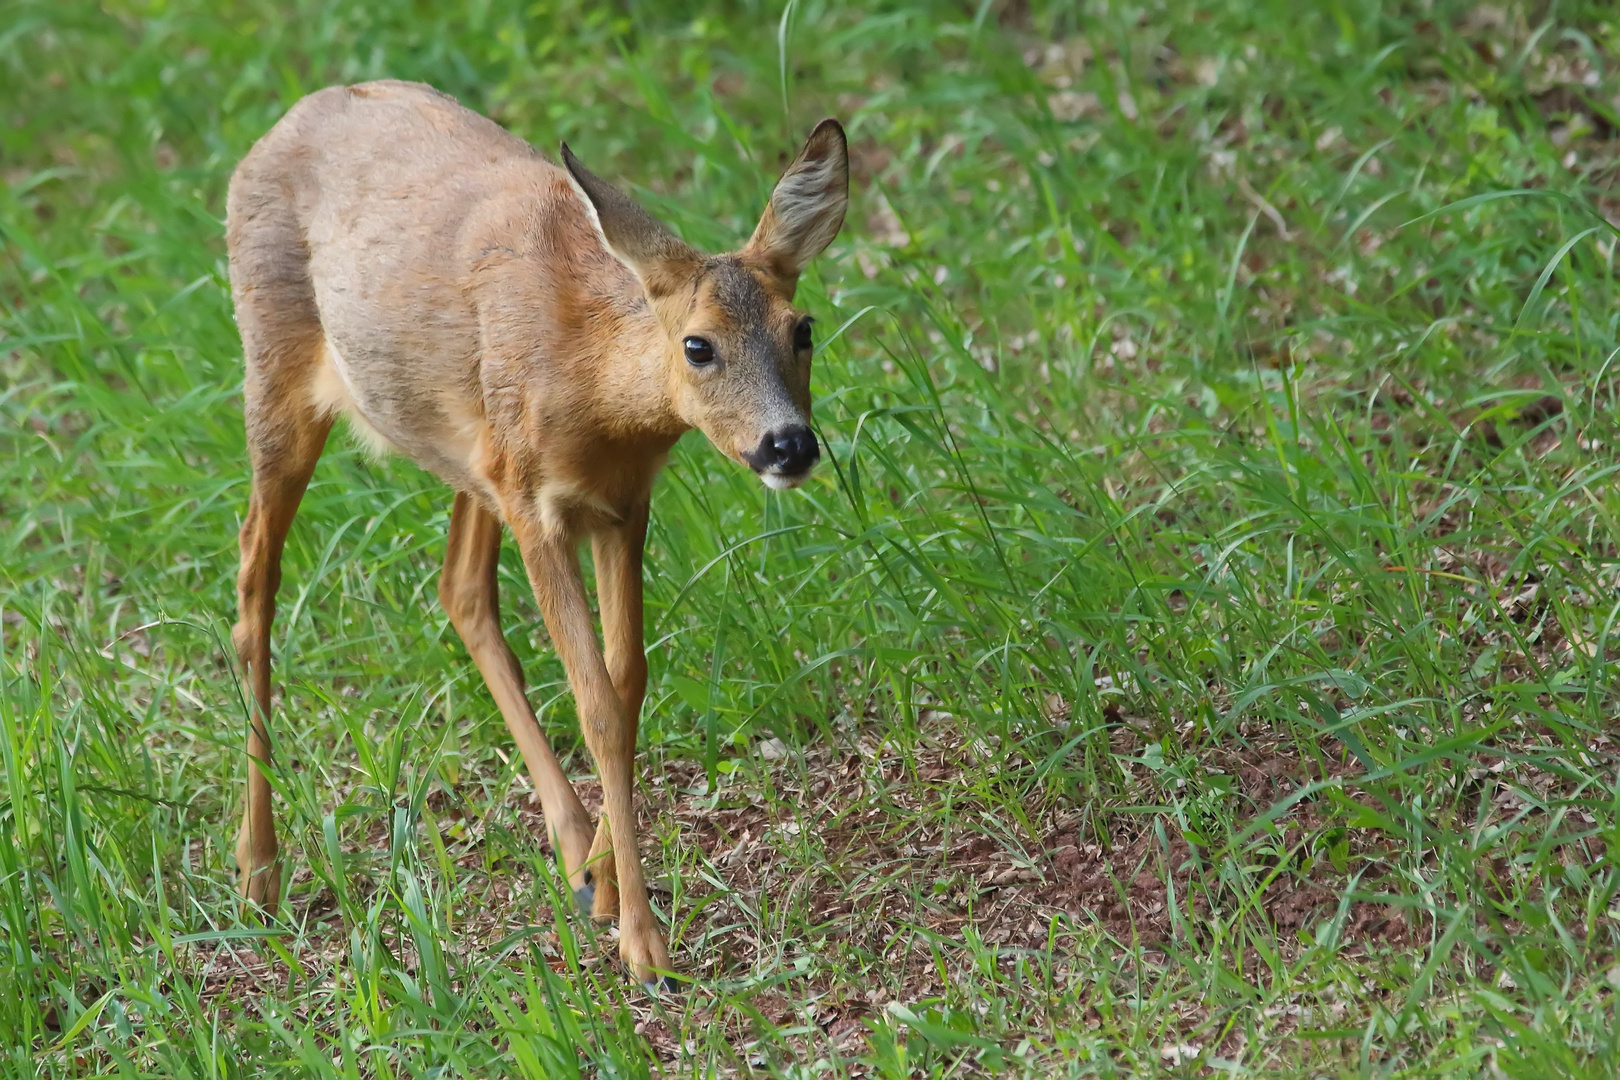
{"x":553,"y":567}
{"x":470,"y":594}
{"x":617,"y":553}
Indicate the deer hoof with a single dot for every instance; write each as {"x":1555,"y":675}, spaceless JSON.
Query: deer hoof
{"x":261,"y":889}
{"x":663,"y":984}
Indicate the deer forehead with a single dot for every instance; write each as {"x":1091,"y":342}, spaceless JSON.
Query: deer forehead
{"x":734,"y":299}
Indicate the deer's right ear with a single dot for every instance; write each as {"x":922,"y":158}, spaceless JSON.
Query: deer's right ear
{"x":636,"y":238}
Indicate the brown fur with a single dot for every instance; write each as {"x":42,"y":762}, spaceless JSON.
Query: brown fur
{"x":517,"y":329}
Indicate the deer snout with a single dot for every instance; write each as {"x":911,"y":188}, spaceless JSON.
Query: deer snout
{"x":785,"y":457}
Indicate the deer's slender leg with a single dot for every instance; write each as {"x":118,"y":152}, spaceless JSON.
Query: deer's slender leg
{"x":553,"y":565}
{"x":617,"y":553}
{"x":468,"y":591}
{"x":285,"y":437}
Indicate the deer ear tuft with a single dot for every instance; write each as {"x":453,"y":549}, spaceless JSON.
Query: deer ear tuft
{"x":807,"y":206}
{"x":635,"y":237}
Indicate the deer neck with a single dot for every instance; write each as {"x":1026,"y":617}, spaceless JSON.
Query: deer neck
{"x":632,"y":388}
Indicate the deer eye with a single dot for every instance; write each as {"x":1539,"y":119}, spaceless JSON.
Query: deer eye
{"x":802,"y":338}
{"x":699,"y":352}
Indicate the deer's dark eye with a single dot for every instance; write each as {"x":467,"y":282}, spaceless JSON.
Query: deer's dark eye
{"x":802,"y":338}
{"x":699,"y":353}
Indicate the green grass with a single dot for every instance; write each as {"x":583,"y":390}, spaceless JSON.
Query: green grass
{"x":1197,"y":655}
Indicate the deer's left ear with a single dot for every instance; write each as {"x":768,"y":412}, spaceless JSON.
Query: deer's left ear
{"x":806,"y":208}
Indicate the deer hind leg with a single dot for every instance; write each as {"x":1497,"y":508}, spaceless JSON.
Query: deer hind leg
{"x":286,"y":434}
{"x":282,"y":344}
{"x":468,"y":591}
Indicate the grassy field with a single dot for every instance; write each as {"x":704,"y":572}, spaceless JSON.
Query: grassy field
{"x":1196,"y":658}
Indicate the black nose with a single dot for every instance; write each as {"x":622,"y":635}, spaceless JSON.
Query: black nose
{"x":789,"y":452}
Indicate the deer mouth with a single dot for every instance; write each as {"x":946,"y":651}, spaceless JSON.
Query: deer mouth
{"x":779,"y":481}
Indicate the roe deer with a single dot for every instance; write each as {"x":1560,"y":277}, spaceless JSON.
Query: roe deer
{"x":539,"y":341}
